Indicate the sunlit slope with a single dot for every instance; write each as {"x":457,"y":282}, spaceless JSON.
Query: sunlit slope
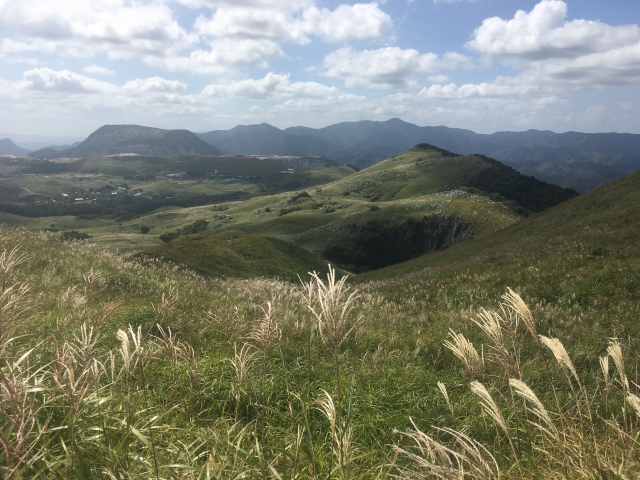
{"x":588,"y":237}
{"x":235,"y":254}
{"x":425,"y":170}
{"x":412,"y":209}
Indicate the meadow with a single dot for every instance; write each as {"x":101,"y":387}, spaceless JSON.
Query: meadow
{"x":510,"y":356}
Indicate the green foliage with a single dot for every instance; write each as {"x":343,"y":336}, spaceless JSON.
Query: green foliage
{"x":190,"y":229}
{"x":529,"y":192}
{"x":73,"y":236}
{"x":441,"y":151}
{"x":234,"y":254}
{"x":377,"y":244}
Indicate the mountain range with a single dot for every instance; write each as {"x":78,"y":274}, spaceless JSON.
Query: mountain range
{"x":580,"y":161}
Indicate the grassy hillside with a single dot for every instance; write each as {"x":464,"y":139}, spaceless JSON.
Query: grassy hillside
{"x":234,"y":254}
{"x":575,"y":243}
{"x":117,"y":139}
{"x":36,"y":189}
{"x":138,"y":371}
{"x":420,"y":201}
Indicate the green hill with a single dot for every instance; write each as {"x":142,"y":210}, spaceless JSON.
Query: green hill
{"x":122,"y":139}
{"x":596,"y":228}
{"x":235,"y":254}
{"x":422,"y":200}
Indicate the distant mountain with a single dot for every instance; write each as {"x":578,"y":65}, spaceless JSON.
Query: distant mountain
{"x":582,"y":161}
{"x":265,"y":139}
{"x":59,"y":148}
{"x":36,"y":142}
{"x":120,"y":139}
{"x":7,"y":147}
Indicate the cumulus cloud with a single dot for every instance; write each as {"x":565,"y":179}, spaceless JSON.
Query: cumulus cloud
{"x":46,"y":79}
{"x":273,"y":85}
{"x":277,"y":24}
{"x":224,"y":55}
{"x":554,"y":52}
{"x":347,"y":22}
{"x":97,"y":70}
{"x":154,"y":85}
{"x":387,"y":67}
{"x":499,"y":88}
{"x":283,"y":5}
{"x":118,"y":28}
{"x":233,"y":34}
{"x":543,"y":33}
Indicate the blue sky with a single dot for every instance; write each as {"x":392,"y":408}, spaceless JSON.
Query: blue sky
{"x":70,"y":66}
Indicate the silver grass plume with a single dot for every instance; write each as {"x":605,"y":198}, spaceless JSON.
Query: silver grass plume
{"x":517,"y":305}
{"x":443,"y":389}
{"x":465,"y":351}
{"x":560,"y":353}
{"x":431,"y":459}
{"x":634,"y":401}
{"x":489,"y":406}
{"x":536,"y":407}
{"x":604,"y":366}
{"x":615,"y":351}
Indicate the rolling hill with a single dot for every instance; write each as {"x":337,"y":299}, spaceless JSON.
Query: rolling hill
{"x":7,"y":147}
{"x":235,"y":254}
{"x":123,"y":139}
{"x":422,"y":200}
{"x":602,"y":157}
{"x":599,"y":227}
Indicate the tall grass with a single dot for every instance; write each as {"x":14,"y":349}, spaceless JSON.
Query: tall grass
{"x":117,"y":370}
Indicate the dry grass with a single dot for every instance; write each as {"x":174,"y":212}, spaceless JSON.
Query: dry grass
{"x":113,"y":369}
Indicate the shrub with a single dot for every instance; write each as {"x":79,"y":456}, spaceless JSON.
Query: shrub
{"x":74,"y":236}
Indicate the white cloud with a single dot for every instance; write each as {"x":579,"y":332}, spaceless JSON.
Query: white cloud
{"x":225,"y":55}
{"x":282,"y":5}
{"x":360,"y":21}
{"x":387,"y":67}
{"x":118,"y":28}
{"x":97,"y":70}
{"x":543,"y":33}
{"x":284,"y":25}
{"x":555,"y":55}
{"x":235,"y":34}
{"x":500,"y":88}
{"x":439,"y":79}
{"x":155,"y":85}
{"x":45,"y":79}
{"x":251,"y":23}
{"x":273,"y":85}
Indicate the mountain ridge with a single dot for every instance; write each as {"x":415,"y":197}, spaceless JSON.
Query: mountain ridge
{"x":367,"y":142}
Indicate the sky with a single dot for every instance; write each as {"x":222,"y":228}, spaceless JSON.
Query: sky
{"x":68,"y":67}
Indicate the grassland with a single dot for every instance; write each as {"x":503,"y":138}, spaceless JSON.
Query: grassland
{"x":418,"y":201}
{"x":234,"y":254}
{"x":240,"y":379}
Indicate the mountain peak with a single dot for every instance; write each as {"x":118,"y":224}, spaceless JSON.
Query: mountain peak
{"x":149,"y":141}
{"x":8,"y":147}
